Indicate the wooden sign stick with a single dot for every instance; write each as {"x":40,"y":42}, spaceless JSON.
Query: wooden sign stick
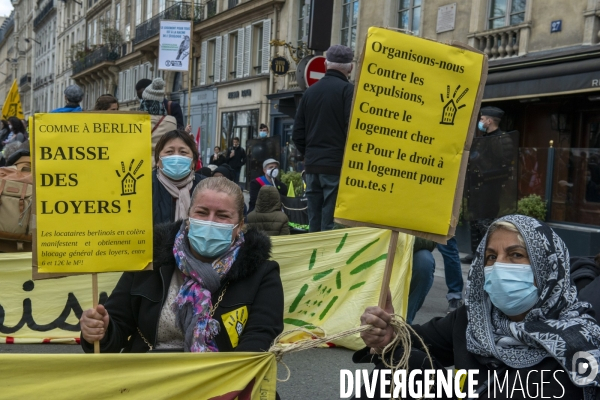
{"x":95,"y":304}
{"x":387,"y":272}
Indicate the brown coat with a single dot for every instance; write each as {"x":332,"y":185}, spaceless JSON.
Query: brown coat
{"x":267,"y":216}
{"x":168,"y":124}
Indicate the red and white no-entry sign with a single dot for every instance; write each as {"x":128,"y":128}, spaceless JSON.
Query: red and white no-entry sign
{"x":315,"y":70}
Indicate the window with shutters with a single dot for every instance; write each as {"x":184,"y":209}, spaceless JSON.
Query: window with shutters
{"x":260,"y":52}
{"x":211,"y":61}
{"x":118,"y":16}
{"x":138,"y":12}
{"x":148,"y":9}
{"x":409,"y":16}
{"x":257,"y":49}
{"x":303,"y":19}
{"x":234,"y":55}
{"x":349,"y":23}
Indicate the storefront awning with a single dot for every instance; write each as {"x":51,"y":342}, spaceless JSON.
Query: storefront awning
{"x":538,"y":80}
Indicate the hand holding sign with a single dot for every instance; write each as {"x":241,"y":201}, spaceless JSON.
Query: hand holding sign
{"x":94,"y":323}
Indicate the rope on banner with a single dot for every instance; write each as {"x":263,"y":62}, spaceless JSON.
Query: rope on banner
{"x":402,"y":339}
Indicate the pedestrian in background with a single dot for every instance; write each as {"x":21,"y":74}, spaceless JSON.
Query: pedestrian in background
{"x":217,"y":158}
{"x":320,"y":131}
{"x":236,"y":158}
{"x":172,"y":107}
{"x":73,"y":96}
{"x":453,"y":273}
{"x":271,"y":172}
{"x":152,"y":103}
{"x":107,"y":102}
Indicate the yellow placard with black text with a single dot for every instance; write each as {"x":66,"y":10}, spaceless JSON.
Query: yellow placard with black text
{"x":414,"y":105}
{"x":93,"y":192}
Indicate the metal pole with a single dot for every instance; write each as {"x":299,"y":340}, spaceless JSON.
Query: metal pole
{"x":549,"y":180}
{"x":189,"y":108}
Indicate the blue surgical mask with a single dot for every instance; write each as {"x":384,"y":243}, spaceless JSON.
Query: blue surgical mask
{"x":480,"y":126}
{"x":262,"y":134}
{"x":511,"y":287}
{"x":176,"y":167}
{"x":210,"y":239}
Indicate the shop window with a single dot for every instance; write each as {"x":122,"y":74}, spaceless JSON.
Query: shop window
{"x":409,"y":16}
{"x":349,"y":23}
{"x":506,"y":12}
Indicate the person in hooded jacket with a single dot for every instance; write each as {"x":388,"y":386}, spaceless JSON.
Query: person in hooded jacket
{"x":73,"y":96}
{"x":522,"y":322}
{"x":267,"y":215}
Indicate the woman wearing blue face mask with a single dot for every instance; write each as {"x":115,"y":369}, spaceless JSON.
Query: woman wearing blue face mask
{"x":174,"y":178}
{"x":213,"y":287}
{"x":521,"y":321}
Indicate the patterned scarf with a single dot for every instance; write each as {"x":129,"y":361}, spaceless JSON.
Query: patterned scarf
{"x":557,"y":326}
{"x":153,"y":107}
{"x":193,"y":303}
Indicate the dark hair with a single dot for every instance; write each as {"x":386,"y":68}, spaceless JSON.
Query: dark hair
{"x":17,"y":125}
{"x":176,"y":134}
{"x":263,"y":126}
{"x":235,"y":138}
{"x":142,"y":84}
{"x":217,"y":147}
{"x":4,"y":123}
{"x":103,"y":102}
{"x":206,"y":172}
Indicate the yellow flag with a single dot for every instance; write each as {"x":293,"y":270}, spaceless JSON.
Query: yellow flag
{"x":291,"y":192}
{"x":12,"y":104}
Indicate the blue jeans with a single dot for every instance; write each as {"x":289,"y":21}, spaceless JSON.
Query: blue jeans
{"x":321,"y":193}
{"x":452,"y":269}
{"x":420,"y":282}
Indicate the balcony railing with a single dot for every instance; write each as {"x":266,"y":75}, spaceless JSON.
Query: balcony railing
{"x":211,"y":8}
{"x":290,"y":79}
{"x":99,"y":55}
{"x":43,"y":12}
{"x":504,"y":42}
{"x":25,"y":79}
{"x":178,"y":11}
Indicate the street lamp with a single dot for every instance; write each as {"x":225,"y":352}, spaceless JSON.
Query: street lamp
{"x":74,"y":1}
{"x":32,"y":39}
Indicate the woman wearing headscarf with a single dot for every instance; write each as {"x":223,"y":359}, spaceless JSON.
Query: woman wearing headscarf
{"x":521,"y":318}
{"x":174,"y":178}
{"x":152,"y":103}
{"x":213,"y":287}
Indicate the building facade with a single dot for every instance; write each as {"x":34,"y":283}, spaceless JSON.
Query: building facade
{"x":43,"y":44}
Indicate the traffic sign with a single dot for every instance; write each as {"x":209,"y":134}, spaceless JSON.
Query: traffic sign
{"x":315,"y":70}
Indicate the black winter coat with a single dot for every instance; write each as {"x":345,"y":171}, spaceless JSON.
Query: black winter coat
{"x":321,"y":124}
{"x":239,"y":157}
{"x":219,"y":161}
{"x":175,"y":111}
{"x":163,"y":204}
{"x":253,"y":290}
{"x":447,"y":343}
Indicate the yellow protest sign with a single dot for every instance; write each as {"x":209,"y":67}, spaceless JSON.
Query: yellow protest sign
{"x":329,"y":278}
{"x":12,"y":104}
{"x":206,"y":376}
{"x":413,"y":115}
{"x":93,"y":190}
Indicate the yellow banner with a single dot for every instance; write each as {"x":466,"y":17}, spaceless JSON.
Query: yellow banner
{"x":207,"y":376}
{"x":12,"y":104}
{"x":93,"y":187}
{"x":410,"y":120}
{"x":329,"y":278}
